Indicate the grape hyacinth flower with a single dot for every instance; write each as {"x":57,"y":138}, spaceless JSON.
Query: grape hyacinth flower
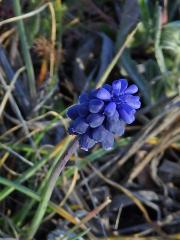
{"x":103,"y":113}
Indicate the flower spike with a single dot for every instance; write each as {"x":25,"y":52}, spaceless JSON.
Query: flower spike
{"x":103,"y":113}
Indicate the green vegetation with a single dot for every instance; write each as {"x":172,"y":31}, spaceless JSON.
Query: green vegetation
{"x":51,"y":51}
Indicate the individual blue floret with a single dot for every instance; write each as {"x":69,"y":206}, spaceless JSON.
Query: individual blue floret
{"x":103,"y":113}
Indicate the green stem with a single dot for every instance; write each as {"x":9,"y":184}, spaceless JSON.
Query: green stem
{"x":28,"y":207}
{"x":25,"y":49}
{"x":48,"y":189}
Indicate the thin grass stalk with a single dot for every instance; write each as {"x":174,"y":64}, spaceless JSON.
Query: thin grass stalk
{"x":28,"y":192}
{"x":31,"y":171}
{"x":158,"y":50}
{"x":25,"y":50}
{"x":115,"y":59}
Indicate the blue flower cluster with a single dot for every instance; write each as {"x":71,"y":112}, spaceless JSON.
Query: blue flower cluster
{"x":102,"y":114}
